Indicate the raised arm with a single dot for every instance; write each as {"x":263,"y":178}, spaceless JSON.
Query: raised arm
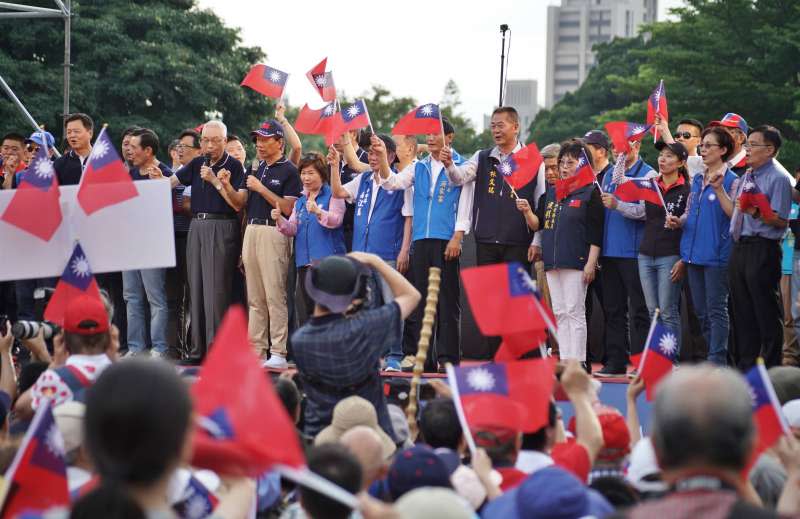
{"x":577,"y":385}
{"x":350,"y":157}
{"x":459,"y":175}
{"x":292,"y":139}
{"x":336,"y":178}
{"x":405,"y":295}
{"x":725,"y":201}
{"x":663,"y":129}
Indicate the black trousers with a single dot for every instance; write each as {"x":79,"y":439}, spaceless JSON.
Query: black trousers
{"x":754,"y":275}
{"x":111,"y":282}
{"x":446,"y":338}
{"x":178,"y":301}
{"x":489,"y":254}
{"x":627,"y":318}
{"x":595,"y":288}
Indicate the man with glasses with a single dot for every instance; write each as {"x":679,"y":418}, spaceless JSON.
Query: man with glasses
{"x":687,"y":133}
{"x":213,"y":241}
{"x":737,"y":127}
{"x":39,"y":139}
{"x":755,"y":264}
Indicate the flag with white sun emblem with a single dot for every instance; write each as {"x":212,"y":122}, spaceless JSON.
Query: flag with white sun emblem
{"x":37,"y":478}
{"x":622,"y":133}
{"x":196,"y":501}
{"x":422,"y":120}
{"x":767,"y":412}
{"x":105,"y":180}
{"x":521,"y":168}
{"x":35,"y":206}
{"x":513,"y":395}
{"x":657,"y":104}
{"x":355,"y":116}
{"x":77,"y":280}
{"x":267,"y":81}
{"x":583,"y":176}
{"x":658,"y":357}
{"x":322,"y":81}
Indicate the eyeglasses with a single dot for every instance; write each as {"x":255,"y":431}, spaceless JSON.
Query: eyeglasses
{"x":33,"y":148}
{"x":183,"y":146}
{"x":684,"y":135}
{"x":213,"y":140}
{"x":752,"y":145}
{"x":707,"y":145}
{"x":567,"y":163}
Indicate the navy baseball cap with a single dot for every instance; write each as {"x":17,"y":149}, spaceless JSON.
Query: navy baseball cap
{"x":334,"y":282}
{"x":416,"y":467}
{"x":597,"y":138}
{"x":36,"y":137}
{"x":270,"y":128}
{"x":675,"y":147}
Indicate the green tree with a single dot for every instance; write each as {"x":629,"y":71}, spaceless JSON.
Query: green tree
{"x":159,"y":63}
{"x":719,"y":56}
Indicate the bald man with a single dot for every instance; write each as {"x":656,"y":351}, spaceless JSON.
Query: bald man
{"x":366,"y":446}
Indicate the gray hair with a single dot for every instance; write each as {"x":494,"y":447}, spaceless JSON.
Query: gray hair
{"x":214,"y":123}
{"x":551,"y":151}
{"x":702,"y":416}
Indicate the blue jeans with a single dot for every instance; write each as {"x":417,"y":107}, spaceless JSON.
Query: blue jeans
{"x":139,"y":289}
{"x":709,"y":287}
{"x":659,"y":290}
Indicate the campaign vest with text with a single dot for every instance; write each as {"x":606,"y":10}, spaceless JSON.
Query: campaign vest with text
{"x":706,"y":238}
{"x":622,"y":236}
{"x":564,"y":243}
{"x":434,"y":215}
{"x":382,"y":234}
{"x":495,"y":217}
{"x":313,"y":241}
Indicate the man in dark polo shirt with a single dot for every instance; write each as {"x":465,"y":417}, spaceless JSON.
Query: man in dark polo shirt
{"x":79,"y":129}
{"x":266,"y":253}
{"x":213,"y":242}
{"x":147,"y":287}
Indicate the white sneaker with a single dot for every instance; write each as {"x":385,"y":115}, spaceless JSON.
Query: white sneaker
{"x":155,"y":354}
{"x":131,"y":353}
{"x":276,"y":362}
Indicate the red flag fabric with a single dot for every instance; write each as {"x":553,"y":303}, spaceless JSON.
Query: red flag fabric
{"x":657,"y":104}
{"x":502,"y":299}
{"x":266,"y":80}
{"x":658,"y":357}
{"x":622,"y":133}
{"x":355,"y":116}
{"x":315,"y":122}
{"x":422,"y":120}
{"x":637,"y":189}
{"x":485,"y":389}
{"x":515,"y":346}
{"x":37,"y":478}
{"x":582,"y":177}
{"x":767,"y":413}
{"x":521,"y":168}
{"x":238,"y":409}
{"x":105,"y":181}
{"x":752,"y":196}
{"x":35,"y":207}
{"x":77,"y":280}
{"x":322,"y":81}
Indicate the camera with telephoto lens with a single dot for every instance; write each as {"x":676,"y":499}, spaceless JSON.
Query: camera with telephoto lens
{"x":30,"y":329}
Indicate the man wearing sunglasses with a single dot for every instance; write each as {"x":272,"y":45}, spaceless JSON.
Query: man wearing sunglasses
{"x":687,"y":133}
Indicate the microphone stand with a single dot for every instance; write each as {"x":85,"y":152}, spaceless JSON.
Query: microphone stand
{"x":503,"y":29}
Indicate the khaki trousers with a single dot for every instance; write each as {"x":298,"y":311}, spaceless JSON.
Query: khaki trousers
{"x":266,"y":254}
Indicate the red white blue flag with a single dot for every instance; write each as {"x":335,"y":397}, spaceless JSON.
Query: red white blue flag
{"x":35,"y":207}
{"x":355,"y":116}
{"x":584,"y":175}
{"x":322,"y":81}
{"x":767,"y":414}
{"x":77,"y":280}
{"x":657,"y":104}
{"x":266,"y":80}
{"x":105,"y":181}
{"x":422,"y":120}
{"x":196,"y":501}
{"x":638,"y":189}
{"x":658,"y":357}
{"x":622,"y":133}
{"x":521,"y":167}
{"x":752,"y":196}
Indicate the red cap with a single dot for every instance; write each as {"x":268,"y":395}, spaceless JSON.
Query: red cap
{"x":86,"y":316}
{"x":616,"y":437}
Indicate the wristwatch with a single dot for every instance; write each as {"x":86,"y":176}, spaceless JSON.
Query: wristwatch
{"x":219,"y":187}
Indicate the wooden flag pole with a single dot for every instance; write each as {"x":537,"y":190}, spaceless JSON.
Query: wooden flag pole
{"x":369,"y":120}
{"x":422,"y":349}
{"x":462,"y":417}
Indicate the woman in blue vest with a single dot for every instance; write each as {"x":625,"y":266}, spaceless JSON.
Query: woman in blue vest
{"x":316,"y":220}
{"x":572,"y":234}
{"x":706,"y":242}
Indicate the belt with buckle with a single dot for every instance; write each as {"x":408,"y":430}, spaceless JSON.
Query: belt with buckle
{"x":260,"y":221}
{"x":215,"y":216}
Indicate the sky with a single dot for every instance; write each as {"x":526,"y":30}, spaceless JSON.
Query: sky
{"x":411,"y":47}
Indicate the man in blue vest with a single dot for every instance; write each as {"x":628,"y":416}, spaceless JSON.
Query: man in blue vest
{"x":442,"y":215}
{"x":379,"y":219}
{"x":626,"y":332}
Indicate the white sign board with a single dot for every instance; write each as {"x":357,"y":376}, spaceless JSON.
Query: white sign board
{"x":134,"y":234}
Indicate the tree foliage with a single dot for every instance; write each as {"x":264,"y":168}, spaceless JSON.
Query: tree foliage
{"x":719,"y":56}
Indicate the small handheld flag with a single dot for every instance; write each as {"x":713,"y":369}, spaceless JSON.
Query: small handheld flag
{"x":77,"y":280}
{"x":657,"y":104}
{"x":638,"y":189}
{"x":584,"y":175}
{"x":422,"y":120}
{"x":105,"y":181}
{"x":266,"y":80}
{"x":322,"y":81}
{"x":751,"y":196}
{"x":521,"y":167}
{"x":622,"y":133}
{"x":767,"y":413}
{"x":658,"y":357}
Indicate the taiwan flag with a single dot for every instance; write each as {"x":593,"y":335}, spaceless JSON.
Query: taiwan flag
{"x":266,"y":80}
{"x":37,"y":478}
{"x":196,"y":501}
{"x":622,"y":133}
{"x":584,"y":175}
{"x":77,"y":280}
{"x":767,"y":414}
{"x":422,"y":120}
{"x":502,"y":299}
{"x":35,"y":207}
{"x":659,"y":356}
{"x":322,"y":81}
{"x":105,"y":181}
{"x":237,"y":408}
{"x":637,"y":189}
{"x":355,"y":116}
{"x":657,"y":104}
{"x":315,"y":122}
{"x":521,"y":168}
{"x":752,"y":196}
{"x":514,"y":395}
{"x":513,"y":347}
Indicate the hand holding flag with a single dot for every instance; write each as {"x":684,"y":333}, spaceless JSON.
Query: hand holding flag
{"x":658,"y":357}
{"x":266,"y":80}
{"x":622,"y":133}
{"x":521,"y":167}
{"x":751,"y":196}
{"x":657,"y":104}
{"x":584,"y":175}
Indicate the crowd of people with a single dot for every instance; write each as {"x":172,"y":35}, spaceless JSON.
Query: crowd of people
{"x":330,"y":254}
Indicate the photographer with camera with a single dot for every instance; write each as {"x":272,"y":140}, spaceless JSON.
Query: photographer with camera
{"x":338,"y":351}
{"x":87,"y":346}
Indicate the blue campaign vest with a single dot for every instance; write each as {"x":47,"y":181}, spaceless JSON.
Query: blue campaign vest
{"x":706,"y":238}
{"x":313,"y":241}
{"x":434,"y":216}
{"x":621,"y":236}
{"x":383,"y":233}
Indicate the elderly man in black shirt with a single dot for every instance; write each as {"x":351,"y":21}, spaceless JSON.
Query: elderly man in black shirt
{"x":213,"y":242}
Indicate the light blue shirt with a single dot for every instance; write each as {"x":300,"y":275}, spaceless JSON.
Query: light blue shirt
{"x":774,"y":181}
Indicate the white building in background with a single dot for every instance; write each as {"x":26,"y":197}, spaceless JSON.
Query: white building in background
{"x":521,"y":94}
{"x":575,"y":26}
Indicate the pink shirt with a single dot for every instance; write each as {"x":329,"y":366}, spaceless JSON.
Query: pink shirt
{"x":332,"y":218}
